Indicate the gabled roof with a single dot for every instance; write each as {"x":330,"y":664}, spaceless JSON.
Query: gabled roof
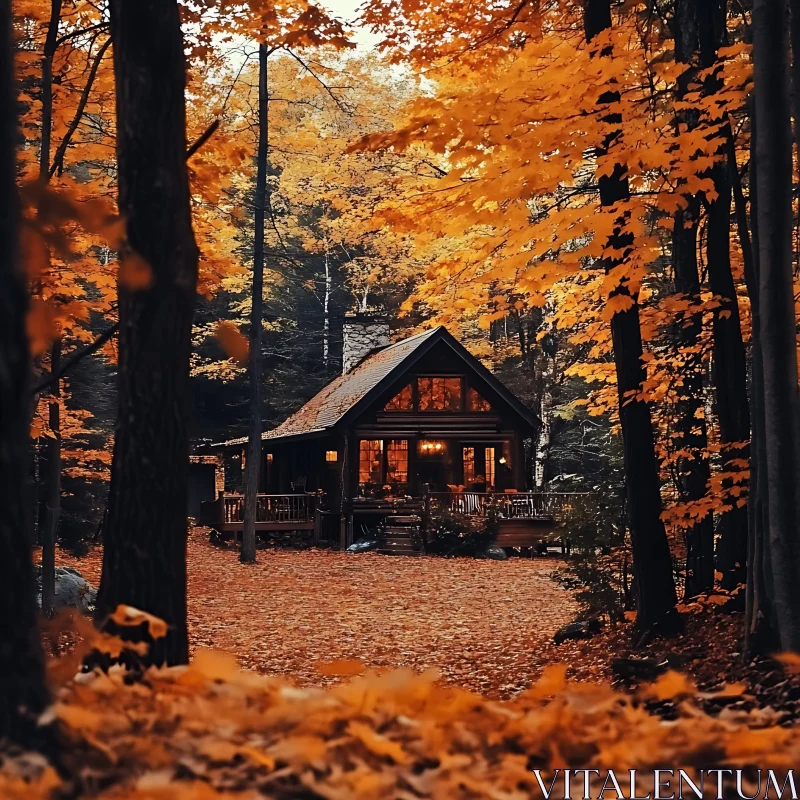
{"x":346,"y":394}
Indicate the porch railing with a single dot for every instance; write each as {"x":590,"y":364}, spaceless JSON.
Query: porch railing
{"x":270,"y":508}
{"x":516,"y":505}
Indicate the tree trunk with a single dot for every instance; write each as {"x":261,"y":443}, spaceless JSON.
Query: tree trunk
{"x":52,"y":492}
{"x":252,"y":468}
{"x":729,"y":360}
{"x":776,"y":311}
{"x":53,"y":499}
{"x":144,"y":559}
{"x":652,"y":565}
{"x":23,"y":693}
{"x":794,"y":29}
{"x":760,"y":630}
{"x":693,"y":470}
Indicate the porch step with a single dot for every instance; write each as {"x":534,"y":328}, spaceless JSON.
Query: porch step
{"x":400,"y":550}
{"x":404,"y":519}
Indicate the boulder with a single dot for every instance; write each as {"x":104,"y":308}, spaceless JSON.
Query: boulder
{"x":494,"y":553}
{"x":72,"y":590}
{"x":363,"y":547}
{"x":584,"y":629}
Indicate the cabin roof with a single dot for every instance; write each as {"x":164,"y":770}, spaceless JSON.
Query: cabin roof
{"x":330,"y":405}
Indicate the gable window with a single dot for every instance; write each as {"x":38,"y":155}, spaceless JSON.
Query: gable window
{"x":370,"y":460}
{"x":475,"y":402}
{"x":439,"y":394}
{"x":402,"y":401}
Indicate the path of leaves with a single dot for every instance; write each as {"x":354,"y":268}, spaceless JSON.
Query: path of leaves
{"x":482,"y":624}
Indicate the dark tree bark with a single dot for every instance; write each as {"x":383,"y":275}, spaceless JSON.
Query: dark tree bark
{"x":144,"y":559}
{"x":760,"y":628}
{"x":252,"y":469}
{"x":652,"y":566}
{"x":53,"y":483}
{"x":53,"y":456}
{"x":729,"y":359}
{"x":794,"y":29}
{"x":23,"y":693}
{"x":693,"y":470}
{"x":777,"y":313}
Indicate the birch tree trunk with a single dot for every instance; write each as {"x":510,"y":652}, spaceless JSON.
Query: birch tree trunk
{"x":144,"y":557}
{"x":252,"y":468}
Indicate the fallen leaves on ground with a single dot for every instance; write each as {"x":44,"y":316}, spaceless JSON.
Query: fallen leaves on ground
{"x":210,"y":731}
{"x":482,"y":624}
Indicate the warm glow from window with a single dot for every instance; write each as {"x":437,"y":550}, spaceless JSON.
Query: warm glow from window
{"x":269,"y":456}
{"x":439,"y":394}
{"x":402,"y":401}
{"x":331,"y":455}
{"x":469,"y":465}
{"x":490,"y":466}
{"x":370,"y":460}
{"x":475,"y":402}
{"x":397,"y":461}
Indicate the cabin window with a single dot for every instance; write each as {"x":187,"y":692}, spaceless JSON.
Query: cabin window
{"x":469,"y":466}
{"x":439,"y":394}
{"x":397,"y":461}
{"x":370,"y":460}
{"x":475,"y":402}
{"x":490,"y":467}
{"x":331,"y":455}
{"x":402,"y":401}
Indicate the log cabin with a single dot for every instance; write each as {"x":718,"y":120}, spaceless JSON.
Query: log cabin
{"x":405,"y":423}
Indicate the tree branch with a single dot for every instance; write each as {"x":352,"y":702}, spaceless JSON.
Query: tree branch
{"x":77,"y":356}
{"x":58,"y":160}
{"x":202,"y":139}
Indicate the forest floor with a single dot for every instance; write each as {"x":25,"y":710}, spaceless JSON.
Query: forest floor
{"x":485,"y":625}
{"x":319,"y":616}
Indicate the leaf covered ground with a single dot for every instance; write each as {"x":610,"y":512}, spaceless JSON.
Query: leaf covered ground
{"x":484,"y":625}
{"x":211,"y":731}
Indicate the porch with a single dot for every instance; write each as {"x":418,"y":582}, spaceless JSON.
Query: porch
{"x":523,"y":519}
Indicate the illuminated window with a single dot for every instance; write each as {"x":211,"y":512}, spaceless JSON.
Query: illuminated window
{"x":490,"y":474}
{"x":397,"y":461}
{"x":270,"y":457}
{"x":331,"y":455}
{"x":370,"y":460}
{"x":475,"y":402}
{"x":469,"y":465}
{"x":439,"y":394}
{"x":402,"y":401}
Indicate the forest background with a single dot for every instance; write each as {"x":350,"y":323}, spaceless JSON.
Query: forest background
{"x":595,"y":247}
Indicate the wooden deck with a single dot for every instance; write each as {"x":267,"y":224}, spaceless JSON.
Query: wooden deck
{"x":274,"y":512}
{"x":524,"y":519}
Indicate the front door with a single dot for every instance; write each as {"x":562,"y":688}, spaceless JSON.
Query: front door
{"x":433,"y":465}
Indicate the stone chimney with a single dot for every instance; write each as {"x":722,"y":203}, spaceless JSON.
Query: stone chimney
{"x":362,"y":334}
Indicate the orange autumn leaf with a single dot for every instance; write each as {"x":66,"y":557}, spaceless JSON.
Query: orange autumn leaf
{"x":232,"y":341}
{"x":135,"y":274}
{"x":670,"y":685}
{"x":340,"y":668}
{"x":128,"y":616}
{"x":41,"y":326}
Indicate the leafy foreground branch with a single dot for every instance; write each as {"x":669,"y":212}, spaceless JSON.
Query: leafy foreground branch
{"x":210,"y":730}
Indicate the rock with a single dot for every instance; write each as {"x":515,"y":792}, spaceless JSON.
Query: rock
{"x":363,"y":547}
{"x":494,"y":553}
{"x":584,"y":629}
{"x":72,"y":590}
{"x":645,"y":669}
